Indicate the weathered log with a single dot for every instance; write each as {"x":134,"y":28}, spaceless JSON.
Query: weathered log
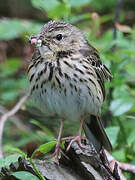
{"x":83,"y":164}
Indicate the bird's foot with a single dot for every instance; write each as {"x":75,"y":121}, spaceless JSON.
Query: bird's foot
{"x":77,"y":139}
{"x":57,"y":153}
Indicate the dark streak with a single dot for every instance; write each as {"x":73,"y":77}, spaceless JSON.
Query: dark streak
{"x":37,"y":78}
{"x":74,"y":80}
{"x":89,"y":73}
{"x":57,"y":79}
{"x":59,"y":69}
{"x":45,"y":69}
{"x":40,"y":74}
{"x":93,"y":63}
{"x":33,"y":88}
{"x":67,"y":76}
{"x":75,"y":88}
{"x":87,"y":62}
{"x":81,"y":80}
{"x":37,"y":63}
{"x":53,"y":85}
{"x":67,"y":64}
{"x":76,"y":75}
{"x":60,"y":73}
{"x":42,"y":84}
{"x":51,"y":72}
{"x":65,"y":91}
{"x":58,"y":62}
{"x":37,"y":86}
{"x":89,"y":93}
{"x":29,"y":68}
{"x":35,"y":59}
{"x":98,"y":98}
{"x":96,"y":54}
{"x":71,"y":85}
{"x":77,"y":69}
{"x":85,"y":67}
{"x":92,"y":82}
{"x":31,"y":77}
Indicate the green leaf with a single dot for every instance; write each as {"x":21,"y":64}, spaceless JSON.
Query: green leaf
{"x":9,"y":85}
{"x":60,"y":11}
{"x":103,"y":4}
{"x":75,"y":19}
{"x":12,"y":159}
{"x":17,"y":28}
{"x":44,"y":148}
{"x":131,"y":117}
{"x":112,"y":133}
{"x":24,"y":175}
{"x":11,"y":149}
{"x":131,"y":137}
{"x":46,"y":5}
{"x":5,"y":162}
{"x":13,"y":63}
{"x":119,"y":155}
{"x":14,"y":26}
{"x":129,"y":125}
{"x":76,"y":3}
{"x":47,"y":131}
{"x":10,"y":67}
{"x":120,"y":106}
{"x":2,"y":163}
{"x":9,"y":96}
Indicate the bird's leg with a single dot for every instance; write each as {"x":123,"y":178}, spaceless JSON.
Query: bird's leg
{"x":58,"y":149}
{"x":77,"y":138}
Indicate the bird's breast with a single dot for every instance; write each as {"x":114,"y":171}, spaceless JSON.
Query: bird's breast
{"x":64,"y":90}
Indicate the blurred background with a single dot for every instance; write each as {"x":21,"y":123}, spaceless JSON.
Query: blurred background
{"x":109,"y":27}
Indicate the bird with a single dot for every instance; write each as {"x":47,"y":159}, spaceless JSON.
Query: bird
{"x":67,"y":82}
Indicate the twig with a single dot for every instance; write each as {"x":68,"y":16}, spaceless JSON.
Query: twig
{"x":5,"y":116}
{"x":112,"y":166}
{"x":112,"y":162}
{"x":14,"y":119}
{"x":127,"y":167}
{"x":123,"y":166}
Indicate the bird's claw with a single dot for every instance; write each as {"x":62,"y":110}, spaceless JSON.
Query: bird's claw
{"x":56,"y":154}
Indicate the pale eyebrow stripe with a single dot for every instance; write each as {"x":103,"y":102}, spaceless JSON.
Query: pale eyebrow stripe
{"x":56,"y":28}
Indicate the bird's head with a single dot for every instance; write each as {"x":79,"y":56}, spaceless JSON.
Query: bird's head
{"x":56,"y":37}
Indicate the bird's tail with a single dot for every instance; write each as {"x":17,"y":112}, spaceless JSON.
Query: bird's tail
{"x":95,"y":133}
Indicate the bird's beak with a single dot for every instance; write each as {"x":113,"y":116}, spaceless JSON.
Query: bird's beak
{"x":36,"y":40}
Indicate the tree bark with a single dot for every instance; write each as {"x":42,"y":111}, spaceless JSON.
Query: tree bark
{"x":83,"y":164}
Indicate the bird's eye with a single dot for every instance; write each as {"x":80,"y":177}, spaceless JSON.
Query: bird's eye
{"x":59,"y":37}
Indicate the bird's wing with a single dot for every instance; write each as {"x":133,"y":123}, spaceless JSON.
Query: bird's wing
{"x":94,"y":130}
{"x":101,"y":70}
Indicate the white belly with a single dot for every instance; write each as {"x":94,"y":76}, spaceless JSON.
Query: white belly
{"x":70,"y":105}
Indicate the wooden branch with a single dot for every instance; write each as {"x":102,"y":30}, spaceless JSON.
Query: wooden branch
{"x":8,"y":114}
{"x":123,"y":166}
{"x":127,"y":167}
{"x":14,"y":119}
{"x":83,"y":164}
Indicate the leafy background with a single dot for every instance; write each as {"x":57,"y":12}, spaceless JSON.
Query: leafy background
{"x":27,"y":130}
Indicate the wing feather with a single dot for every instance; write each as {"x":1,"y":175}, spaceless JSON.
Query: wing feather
{"x":101,"y":70}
